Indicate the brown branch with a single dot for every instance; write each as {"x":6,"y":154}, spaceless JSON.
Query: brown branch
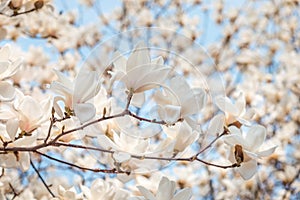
{"x":107,"y":171}
{"x":225,"y":132}
{"x":190,"y":159}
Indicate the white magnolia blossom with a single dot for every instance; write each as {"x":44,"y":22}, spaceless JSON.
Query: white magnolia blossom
{"x":182,"y":134}
{"x":8,"y":67}
{"x":245,"y":149}
{"x":139,"y":73}
{"x":26,"y":114}
{"x":179,"y":101}
{"x":76,"y":94}
{"x":166,"y":190}
{"x":103,"y":189}
{"x":235,"y":111}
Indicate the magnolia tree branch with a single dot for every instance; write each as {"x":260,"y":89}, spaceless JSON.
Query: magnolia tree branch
{"x":55,"y":142}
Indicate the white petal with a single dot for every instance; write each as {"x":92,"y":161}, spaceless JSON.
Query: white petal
{"x":256,"y":136}
{"x":119,"y":62}
{"x":138,"y":99}
{"x":184,"y":194}
{"x":158,"y":60}
{"x":225,"y":104}
{"x":151,"y":79}
{"x":121,"y":156}
{"x":201,"y":98}
{"x":241,"y":103}
{"x":87,"y":85}
{"x":7,"y":91}
{"x":171,"y":113}
{"x":24,"y":161}
{"x":106,"y":143}
{"x":234,"y":139}
{"x":216,"y":125}
{"x":63,"y":80}
{"x":30,"y":109}
{"x":185,"y":95}
{"x":12,"y":126}
{"x":139,"y":56}
{"x":166,"y":189}
{"x":248,"y":169}
{"x":84,"y":111}
{"x":4,"y":66}
{"x":146,"y":193}
{"x":5,"y":52}
{"x":266,"y":152}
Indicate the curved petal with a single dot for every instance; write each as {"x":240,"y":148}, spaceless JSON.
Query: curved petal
{"x":266,"y":152}
{"x":7,"y":91}
{"x":166,"y":189}
{"x":24,"y":160}
{"x":4,"y":66}
{"x":185,"y":95}
{"x":138,"y":99}
{"x":146,"y":193}
{"x":106,"y":143}
{"x":30,"y":109}
{"x":5,"y":52}
{"x":184,"y":194}
{"x":84,"y":111}
{"x":234,"y":139}
{"x":139,"y":56}
{"x":119,"y":62}
{"x":86,"y":86}
{"x":248,"y":169}
{"x":241,"y":103}
{"x":255,"y":137}
{"x":169,"y":113}
{"x":12,"y":126}
{"x":225,"y":104}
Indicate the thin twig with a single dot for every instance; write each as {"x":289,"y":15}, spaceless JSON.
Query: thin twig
{"x":42,"y":179}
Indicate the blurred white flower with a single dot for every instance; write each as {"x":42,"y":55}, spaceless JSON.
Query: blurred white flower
{"x":166,"y":191}
{"x":103,"y":189}
{"x":76,"y":94}
{"x":67,"y":194}
{"x":235,"y":111}
{"x":182,"y":134}
{"x":8,"y":67}
{"x":245,"y":149}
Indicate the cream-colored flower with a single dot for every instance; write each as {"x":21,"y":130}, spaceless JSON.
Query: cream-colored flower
{"x":8,"y":67}
{"x":139,"y":73}
{"x":76,"y":94}
{"x":179,"y":101}
{"x":166,"y":190}
{"x":245,"y":148}
{"x":235,"y":111}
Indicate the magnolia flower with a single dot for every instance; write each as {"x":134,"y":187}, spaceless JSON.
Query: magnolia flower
{"x":26,"y":114}
{"x":166,"y":190}
{"x":67,"y":194}
{"x":179,"y":101}
{"x":139,"y":73}
{"x":104,"y":189}
{"x":245,"y":149}
{"x":76,"y":94}
{"x":235,"y":112}
{"x":9,"y":67}
{"x":182,"y":134}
